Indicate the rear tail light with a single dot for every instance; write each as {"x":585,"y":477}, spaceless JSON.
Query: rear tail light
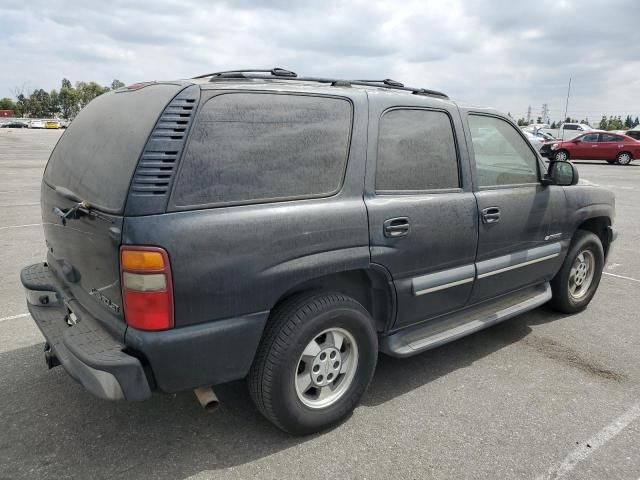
{"x":147,"y":290}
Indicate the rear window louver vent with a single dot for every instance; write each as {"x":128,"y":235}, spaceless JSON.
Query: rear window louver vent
{"x":156,"y":168}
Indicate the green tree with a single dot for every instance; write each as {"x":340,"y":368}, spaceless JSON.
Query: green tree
{"x":22,"y":105}
{"x":636,"y":122}
{"x":554,"y":124}
{"x":54,"y":102}
{"x":628,"y":122}
{"x":40,"y":103}
{"x":603,"y":123}
{"x":87,"y":91}
{"x":7,"y":104}
{"x":116,"y":84}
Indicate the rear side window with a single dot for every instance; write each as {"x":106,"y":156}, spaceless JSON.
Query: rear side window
{"x":571,"y":127}
{"x":255,"y":147}
{"x":607,"y":137}
{"x":416,"y":151}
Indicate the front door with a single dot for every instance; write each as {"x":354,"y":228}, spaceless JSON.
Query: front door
{"x":422,"y":211}
{"x":586,"y":147}
{"x":521,"y":221}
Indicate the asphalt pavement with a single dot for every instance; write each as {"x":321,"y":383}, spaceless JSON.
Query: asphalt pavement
{"x":538,"y":397}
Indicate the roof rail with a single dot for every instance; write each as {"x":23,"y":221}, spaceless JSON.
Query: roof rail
{"x":283,"y":74}
{"x":386,"y":81}
{"x":276,"y":72}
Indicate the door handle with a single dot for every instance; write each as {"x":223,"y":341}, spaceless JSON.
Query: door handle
{"x":396,"y":227}
{"x":491,"y":215}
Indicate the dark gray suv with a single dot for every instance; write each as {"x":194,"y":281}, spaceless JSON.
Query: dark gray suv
{"x":259,"y":225}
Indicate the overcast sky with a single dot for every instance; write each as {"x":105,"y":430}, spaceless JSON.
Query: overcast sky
{"x":505,"y":54}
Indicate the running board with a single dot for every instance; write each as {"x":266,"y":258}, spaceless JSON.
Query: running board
{"x":419,"y":338}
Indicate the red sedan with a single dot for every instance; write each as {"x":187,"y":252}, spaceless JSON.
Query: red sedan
{"x":596,"y":145}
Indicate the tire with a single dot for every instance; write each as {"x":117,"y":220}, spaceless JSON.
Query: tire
{"x":568,"y":296}
{"x":624,"y":158}
{"x":561,"y":156}
{"x":309,"y":324}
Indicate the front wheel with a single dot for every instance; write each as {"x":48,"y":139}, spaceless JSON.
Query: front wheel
{"x":561,"y":156}
{"x":576,"y":283}
{"x":315,"y":361}
{"x":623,"y":158}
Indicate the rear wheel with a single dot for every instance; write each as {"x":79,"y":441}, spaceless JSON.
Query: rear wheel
{"x":623,"y":158}
{"x":576,"y":283}
{"x":561,"y":156}
{"x":316,"y":360}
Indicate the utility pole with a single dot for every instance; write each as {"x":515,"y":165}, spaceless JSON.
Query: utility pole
{"x":566,"y":106}
{"x":545,"y":113}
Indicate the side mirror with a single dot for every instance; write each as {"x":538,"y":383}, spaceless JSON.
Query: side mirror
{"x":563,"y":173}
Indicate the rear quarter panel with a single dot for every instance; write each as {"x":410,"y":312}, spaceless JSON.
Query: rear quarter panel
{"x":234,"y":260}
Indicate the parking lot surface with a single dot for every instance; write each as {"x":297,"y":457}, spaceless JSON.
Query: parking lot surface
{"x":540,"y":396}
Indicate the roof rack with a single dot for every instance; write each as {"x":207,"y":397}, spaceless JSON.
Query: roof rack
{"x":283,"y":74}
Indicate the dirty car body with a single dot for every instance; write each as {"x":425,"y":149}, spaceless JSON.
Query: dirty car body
{"x":182,"y":219}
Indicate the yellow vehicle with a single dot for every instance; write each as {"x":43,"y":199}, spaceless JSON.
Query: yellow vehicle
{"x":52,"y":124}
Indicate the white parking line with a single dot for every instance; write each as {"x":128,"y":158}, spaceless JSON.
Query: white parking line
{"x":593,"y":444}
{"x":22,"y":226}
{"x":13,"y":317}
{"x":621,"y":276}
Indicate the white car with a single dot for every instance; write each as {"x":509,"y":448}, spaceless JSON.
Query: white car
{"x":535,"y":140}
{"x":36,"y":124}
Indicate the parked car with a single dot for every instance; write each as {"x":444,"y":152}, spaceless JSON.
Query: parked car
{"x":635,"y":134}
{"x":547,"y":137}
{"x":52,"y":124}
{"x":285,"y":230}
{"x":619,"y":149}
{"x":536,"y":140}
{"x":14,"y":124}
{"x":36,"y":124}
{"x":567,"y":131}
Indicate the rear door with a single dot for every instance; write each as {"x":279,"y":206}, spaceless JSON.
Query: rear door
{"x":521,"y":220}
{"x":422,"y":212}
{"x":610,"y":145}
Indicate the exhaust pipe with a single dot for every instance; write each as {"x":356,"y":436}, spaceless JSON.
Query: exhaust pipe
{"x":207,"y":398}
{"x":49,"y":357}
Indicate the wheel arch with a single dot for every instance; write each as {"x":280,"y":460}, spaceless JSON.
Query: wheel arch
{"x":600,"y":227}
{"x":372,"y":287}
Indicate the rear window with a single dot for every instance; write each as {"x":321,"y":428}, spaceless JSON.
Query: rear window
{"x":255,"y":147}
{"x":96,"y":156}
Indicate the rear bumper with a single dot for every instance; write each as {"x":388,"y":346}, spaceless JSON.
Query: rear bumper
{"x":174,"y":360}
{"x":86,"y":350}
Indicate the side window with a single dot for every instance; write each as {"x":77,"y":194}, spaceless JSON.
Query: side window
{"x":502,"y":156}
{"x":607,"y":137}
{"x":255,"y":147}
{"x":571,"y":127}
{"x":416,"y":151}
{"x":590,"y":138}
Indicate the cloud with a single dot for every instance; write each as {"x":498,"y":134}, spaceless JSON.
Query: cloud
{"x":489,"y":52}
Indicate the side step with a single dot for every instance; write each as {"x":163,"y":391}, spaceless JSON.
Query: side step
{"x":419,"y":338}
